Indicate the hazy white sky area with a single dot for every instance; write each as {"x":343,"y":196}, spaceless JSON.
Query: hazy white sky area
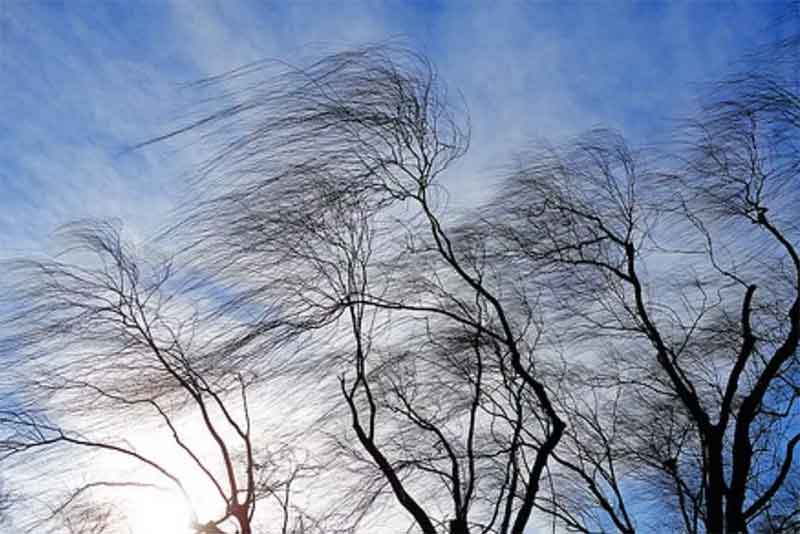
{"x":84,"y":81}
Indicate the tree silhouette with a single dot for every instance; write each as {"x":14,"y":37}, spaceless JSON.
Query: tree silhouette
{"x":608,"y":343}
{"x":109,"y":338}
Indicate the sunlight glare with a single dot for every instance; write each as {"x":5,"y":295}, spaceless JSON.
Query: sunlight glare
{"x":164,"y":510}
{"x":158,"y":512}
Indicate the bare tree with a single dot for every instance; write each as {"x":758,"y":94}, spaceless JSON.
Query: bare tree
{"x":616,"y":330}
{"x":108,"y":338}
{"x":696,"y":265}
{"x":571,"y":255}
{"x":329,"y":199}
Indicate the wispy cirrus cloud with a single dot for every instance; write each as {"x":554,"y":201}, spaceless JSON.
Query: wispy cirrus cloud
{"x":83,"y":81}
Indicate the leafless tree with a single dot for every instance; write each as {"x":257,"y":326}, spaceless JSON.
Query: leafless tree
{"x":615,"y":330}
{"x":107,"y":338}
{"x":695,"y":264}
{"x":329,"y":198}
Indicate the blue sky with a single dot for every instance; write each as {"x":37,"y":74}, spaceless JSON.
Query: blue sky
{"x":82,"y":80}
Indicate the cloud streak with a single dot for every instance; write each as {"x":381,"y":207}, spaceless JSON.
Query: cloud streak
{"x":83,"y":82}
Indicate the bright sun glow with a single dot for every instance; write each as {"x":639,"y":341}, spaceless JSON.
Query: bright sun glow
{"x":163,"y":511}
{"x":158,"y":512}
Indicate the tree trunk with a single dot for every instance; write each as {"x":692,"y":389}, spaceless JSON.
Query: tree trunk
{"x":458,"y":526}
{"x":735,"y":520}
{"x":244,"y":523}
{"x":715,"y":490}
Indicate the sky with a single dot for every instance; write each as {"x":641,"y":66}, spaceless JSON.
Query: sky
{"x":83,"y":81}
